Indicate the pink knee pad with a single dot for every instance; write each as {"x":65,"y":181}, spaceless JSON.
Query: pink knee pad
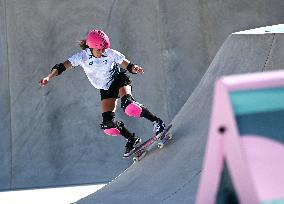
{"x":112,"y":131}
{"x":133,"y":110}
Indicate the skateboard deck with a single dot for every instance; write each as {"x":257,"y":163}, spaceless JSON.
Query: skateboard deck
{"x":142,"y":149}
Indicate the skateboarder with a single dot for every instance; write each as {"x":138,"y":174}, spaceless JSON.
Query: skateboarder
{"x":102,"y":66}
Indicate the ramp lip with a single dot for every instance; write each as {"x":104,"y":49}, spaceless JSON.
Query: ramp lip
{"x":264,"y":30}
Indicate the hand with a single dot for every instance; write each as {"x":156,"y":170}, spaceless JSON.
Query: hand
{"x":44,"y":81}
{"x":137,"y":70}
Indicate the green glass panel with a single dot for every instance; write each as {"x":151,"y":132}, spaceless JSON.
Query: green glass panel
{"x":273,"y":202}
{"x":256,"y":101}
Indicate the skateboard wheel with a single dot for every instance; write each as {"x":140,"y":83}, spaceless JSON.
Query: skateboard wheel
{"x":135,"y":159}
{"x":160,"y":145}
{"x":139,"y":157}
{"x":170,"y":136}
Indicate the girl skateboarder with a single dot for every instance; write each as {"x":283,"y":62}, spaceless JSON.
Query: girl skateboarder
{"x":102,"y":66}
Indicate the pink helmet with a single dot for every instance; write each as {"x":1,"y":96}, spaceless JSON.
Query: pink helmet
{"x":98,"y":39}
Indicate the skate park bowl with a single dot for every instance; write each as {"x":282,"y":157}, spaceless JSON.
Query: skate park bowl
{"x":173,"y":174}
{"x":51,"y":137}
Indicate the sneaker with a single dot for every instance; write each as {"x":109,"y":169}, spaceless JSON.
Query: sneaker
{"x":130,"y":146}
{"x":159,"y":127}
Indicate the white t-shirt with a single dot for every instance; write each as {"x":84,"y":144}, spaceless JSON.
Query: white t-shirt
{"x":100,"y":71}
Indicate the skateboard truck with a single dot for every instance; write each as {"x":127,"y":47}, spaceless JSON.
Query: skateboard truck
{"x":145,"y":147}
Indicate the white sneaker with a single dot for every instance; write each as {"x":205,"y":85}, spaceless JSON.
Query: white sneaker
{"x":159,"y":127}
{"x":130,"y":146}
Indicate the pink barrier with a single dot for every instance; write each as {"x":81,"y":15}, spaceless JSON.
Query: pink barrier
{"x":266,"y":161}
{"x":255,"y":164}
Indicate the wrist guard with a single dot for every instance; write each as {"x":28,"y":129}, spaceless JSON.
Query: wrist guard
{"x":130,"y":67}
{"x":60,"y":68}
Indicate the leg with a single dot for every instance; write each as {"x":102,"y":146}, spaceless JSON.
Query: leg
{"x":109,"y":104}
{"x":108,"y":113}
{"x":110,"y":125}
{"x":133,"y":108}
{"x":127,"y":102}
{"x":115,"y":128}
{"x":125,"y":90}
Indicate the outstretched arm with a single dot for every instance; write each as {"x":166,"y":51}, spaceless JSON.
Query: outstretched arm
{"x":56,"y":70}
{"x":132,"y":68}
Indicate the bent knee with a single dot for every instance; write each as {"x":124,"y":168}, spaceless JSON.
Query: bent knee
{"x":112,"y":131}
{"x":133,"y":110}
{"x":110,"y":126}
{"x":130,"y":106}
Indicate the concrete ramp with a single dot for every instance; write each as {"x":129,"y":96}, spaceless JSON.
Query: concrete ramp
{"x":51,"y":136}
{"x":171,"y":175}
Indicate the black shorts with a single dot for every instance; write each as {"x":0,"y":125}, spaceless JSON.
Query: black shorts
{"x":113,"y":92}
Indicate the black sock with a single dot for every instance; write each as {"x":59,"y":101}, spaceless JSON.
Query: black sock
{"x":148,"y":115}
{"x":126,"y":133}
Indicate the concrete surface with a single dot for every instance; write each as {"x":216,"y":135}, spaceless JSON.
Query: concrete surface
{"x":172,"y":174}
{"x":5,"y":101}
{"x":51,"y":136}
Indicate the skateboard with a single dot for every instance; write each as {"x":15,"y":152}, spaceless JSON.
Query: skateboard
{"x":142,"y":149}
